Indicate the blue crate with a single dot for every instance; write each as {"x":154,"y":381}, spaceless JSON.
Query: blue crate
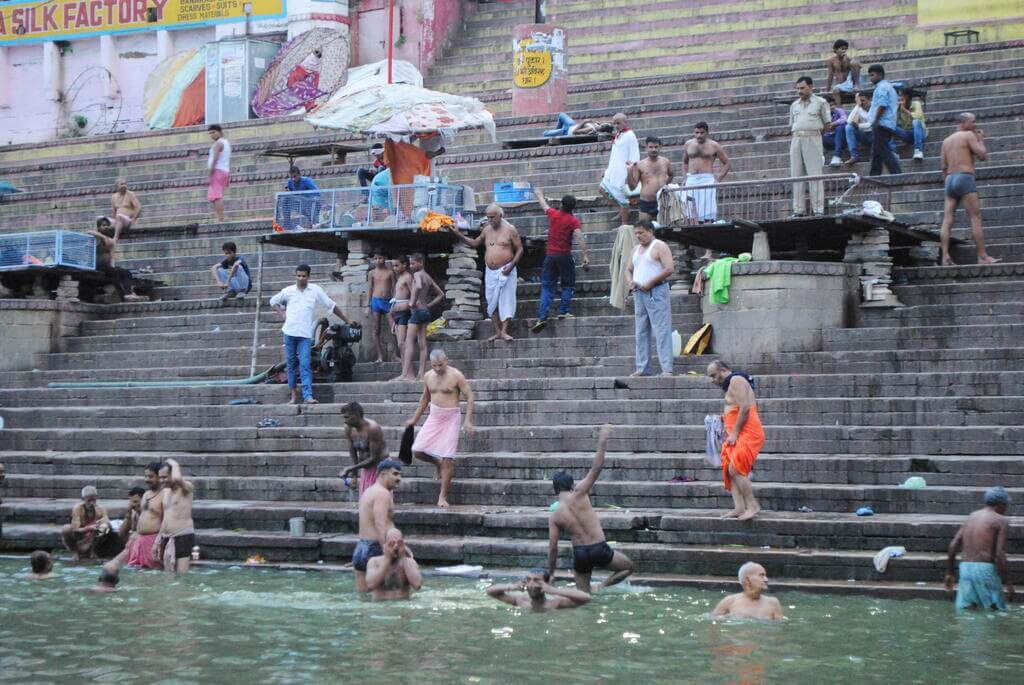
{"x":513,"y":192}
{"x":47,"y":248}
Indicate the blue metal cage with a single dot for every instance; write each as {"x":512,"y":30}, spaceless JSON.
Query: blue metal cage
{"x":47,"y":248}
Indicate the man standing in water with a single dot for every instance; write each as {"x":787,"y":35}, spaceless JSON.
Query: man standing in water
{"x":376,"y":518}
{"x":533,"y":593}
{"x":744,"y":438}
{"x":576,"y":516}
{"x":958,"y":154}
{"x":366,"y":445}
{"x":177,"y":532}
{"x":437,"y":442}
{"x":752,"y":602}
{"x":503,"y":250}
{"x":139,"y":550}
{"x":652,"y":173}
{"x":395,"y":574}
{"x":982,"y":541}
{"x":420,"y":305}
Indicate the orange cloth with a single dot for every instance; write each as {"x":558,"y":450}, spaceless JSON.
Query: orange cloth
{"x":192,"y":108}
{"x":405,"y":162}
{"x":744,"y":453}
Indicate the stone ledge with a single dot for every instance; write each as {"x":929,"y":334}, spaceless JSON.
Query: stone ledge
{"x":794,"y":267}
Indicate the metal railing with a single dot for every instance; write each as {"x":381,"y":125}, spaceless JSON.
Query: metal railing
{"x":768,"y":200}
{"x":47,"y":248}
{"x":372,"y":207}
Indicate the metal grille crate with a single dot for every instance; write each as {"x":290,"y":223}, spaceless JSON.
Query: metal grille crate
{"x":47,"y":248}
{"x":374,"y":207}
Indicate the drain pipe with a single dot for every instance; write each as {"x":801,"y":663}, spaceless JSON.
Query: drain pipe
{"x":259,"y":304}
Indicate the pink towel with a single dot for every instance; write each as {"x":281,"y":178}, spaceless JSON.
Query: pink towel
{"x":140,"y":551}
{"x":439,"y":436}
{"x":367,"y":477}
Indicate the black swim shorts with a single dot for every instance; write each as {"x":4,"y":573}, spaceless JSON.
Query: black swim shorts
{"x":365,"y":550}
{"x":958,"y":185}
{"x":401,"y":318}
{"x":648,"y":207}
{"x":585,"y":558}
{"x":420,"y":317}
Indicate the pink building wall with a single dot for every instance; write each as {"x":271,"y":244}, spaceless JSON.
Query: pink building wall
{"x":427,"y":26}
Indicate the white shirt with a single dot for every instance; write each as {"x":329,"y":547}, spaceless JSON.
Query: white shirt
{"x":300,"y":307}
{"x":224,"y":161}
{"x":624,"y":149}
{"x":646,"y":267}
{"x":859,"y":117}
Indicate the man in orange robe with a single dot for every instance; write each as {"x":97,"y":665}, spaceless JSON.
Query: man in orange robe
{"x":744,"y":438}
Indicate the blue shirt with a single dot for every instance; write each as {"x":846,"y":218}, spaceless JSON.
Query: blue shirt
{"x":884,"y":96}
{"x":305,"y":183}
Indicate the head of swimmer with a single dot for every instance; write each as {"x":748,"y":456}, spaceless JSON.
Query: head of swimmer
{"x":653,"y":144}
{"x":536,"y":578}
{"x":754,"y":579}
{"x":439,"y":361}
{"x":352,"y":414}
{"x":389,"y":473}
{"x":718,"y":371}
{"x":643,"y":230}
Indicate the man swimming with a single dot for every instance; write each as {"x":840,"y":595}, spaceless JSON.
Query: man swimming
{"x":576,"y":516}
{"x":376,"y":518}
{"x":982,"y":542}
{"x":395,"y":574}
{"x":42,"y":565}
{"x":536,"y":594}
{"x":752,"y":602}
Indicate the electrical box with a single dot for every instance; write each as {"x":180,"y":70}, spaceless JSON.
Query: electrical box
{"x":233,"y":67}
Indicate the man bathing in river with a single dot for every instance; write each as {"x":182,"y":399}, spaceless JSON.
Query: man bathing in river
{"x":177,"y":531}
{"x":744,"y":438}
{"x":437,"y":442}
{"x":982,"y":542}
{"x":42,"y":565}
{"x":576,"y":516}
{"x":395,"y":574}
{"x":752,"y":602}
{"x":503,"y":250}
{"x":537,"y":594}
{"x":376,"y":518}
{"x":366,"y":445}
{"x":138,"y":552}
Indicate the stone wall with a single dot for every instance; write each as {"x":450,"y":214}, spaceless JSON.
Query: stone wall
{"x":36,"y":326}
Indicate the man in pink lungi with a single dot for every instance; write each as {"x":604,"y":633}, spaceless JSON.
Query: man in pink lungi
{"x":138,"y":552}
{"x":438,"y":441}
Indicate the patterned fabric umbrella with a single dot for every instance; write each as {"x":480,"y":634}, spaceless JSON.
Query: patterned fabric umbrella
{"x":298,"y":78}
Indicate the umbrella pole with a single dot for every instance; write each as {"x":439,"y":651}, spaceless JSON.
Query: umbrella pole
{"x":391,"y":36}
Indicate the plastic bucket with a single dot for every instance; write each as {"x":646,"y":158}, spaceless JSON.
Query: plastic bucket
{"x":297,"y":526}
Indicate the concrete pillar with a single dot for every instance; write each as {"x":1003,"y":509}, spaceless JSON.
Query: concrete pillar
{"x":164,"y":45}
{"x":540,"y":77}
{"x":110,"y":61}
{"x":5,"y":78}
{"x":53,"y":76}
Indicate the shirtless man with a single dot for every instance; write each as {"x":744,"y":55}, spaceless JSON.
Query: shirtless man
{"x":125,"y":208}
{"x":958,"y":154}
{"x":177,"y":532}
{"x":536,"y":594}
{"x":652,"y":173}
{"x":843,"y":72}
{"x":575,"y":515}
{"x":107,"y":582}
{"x":420,"y":305}
{"x":503,"y":250}
{"x":395,"y":574}
{"x":89,"y":524}
{"x":752,"y":602}
{"x":437,"y":442}
{"x":131,"y":516}
{"x":982,"y":542}
{"x":376,"y":518}
{"x":744,"y":438}
{"x":138,"y":552}
{"x":366,"y":446}
{"x":699,"y":155}
{"x":380,"y":282}
{"x":400,"y":309}
{"x":42,"y":565}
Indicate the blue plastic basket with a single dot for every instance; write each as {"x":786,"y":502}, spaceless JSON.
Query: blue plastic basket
{"x":47,"y":248}
{"x":513,"y":192}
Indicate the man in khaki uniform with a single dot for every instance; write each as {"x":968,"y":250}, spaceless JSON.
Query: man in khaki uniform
{"x":808,"y":117}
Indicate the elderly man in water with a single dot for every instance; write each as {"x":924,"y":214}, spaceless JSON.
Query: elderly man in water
{"x":752,"y":602}
{"x":537,"y":594}
{"x":395,"y":574}
{"x":982,"y":542}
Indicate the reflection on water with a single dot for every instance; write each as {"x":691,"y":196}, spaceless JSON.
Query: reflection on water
{"x":258,"y":625}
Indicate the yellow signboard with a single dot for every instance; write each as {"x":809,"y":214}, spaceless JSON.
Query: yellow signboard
{"x":33,"y":21}
{"x":531,"y":68}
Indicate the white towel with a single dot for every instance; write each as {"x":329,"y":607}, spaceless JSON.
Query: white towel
{"x":883,"y":557}
{"x":500,"y":290}
{"x":715,"y":432}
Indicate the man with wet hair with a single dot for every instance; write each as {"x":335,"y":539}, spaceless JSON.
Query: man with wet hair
{"x":376,"y":518}
{"x":576,"y":516}
{"x":177,"y":531}
{"x":981,"y":541}
{"x":366,"y":445}
{"x":537,"y":594}
{"x":107,"y":582}
{"x":395,"y":574}
{"x":42,"y":565}
{"x":89,"y":525}
{"x":138,"y":551}
{"x":752,"y":602}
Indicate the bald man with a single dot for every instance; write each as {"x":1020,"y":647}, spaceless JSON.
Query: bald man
{"x":625,"y":151}
{"x":752,"y":602}
{"x":959,"y":152}
{"x":395,"y":574}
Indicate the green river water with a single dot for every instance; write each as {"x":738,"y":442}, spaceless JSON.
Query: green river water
{"x":241,"y":626}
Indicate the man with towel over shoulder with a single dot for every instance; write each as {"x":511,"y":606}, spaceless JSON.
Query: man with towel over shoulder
{"x":444,"y":387}
{"x":744,"y":438}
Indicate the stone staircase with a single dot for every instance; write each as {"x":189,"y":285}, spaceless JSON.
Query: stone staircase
{"x":931,"y":389}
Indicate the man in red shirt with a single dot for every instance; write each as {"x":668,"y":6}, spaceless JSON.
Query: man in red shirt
{"x":559,"y":266}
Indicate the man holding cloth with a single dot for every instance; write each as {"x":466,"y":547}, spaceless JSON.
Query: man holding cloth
{"x":808,"y":117}
{"x":625,"y":150}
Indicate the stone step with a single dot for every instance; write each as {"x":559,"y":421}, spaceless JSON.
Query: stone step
{"x":922,"y":337}
{"x":946,"y":314}
{"x":974,"y":291}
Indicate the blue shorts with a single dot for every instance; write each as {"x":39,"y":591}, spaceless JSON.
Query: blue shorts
{"x":380,"y":305}
{"x":364,"y":551}
{"x":402,"y":318}
{"x":958,"y":185}
{"x":420,"y":317}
